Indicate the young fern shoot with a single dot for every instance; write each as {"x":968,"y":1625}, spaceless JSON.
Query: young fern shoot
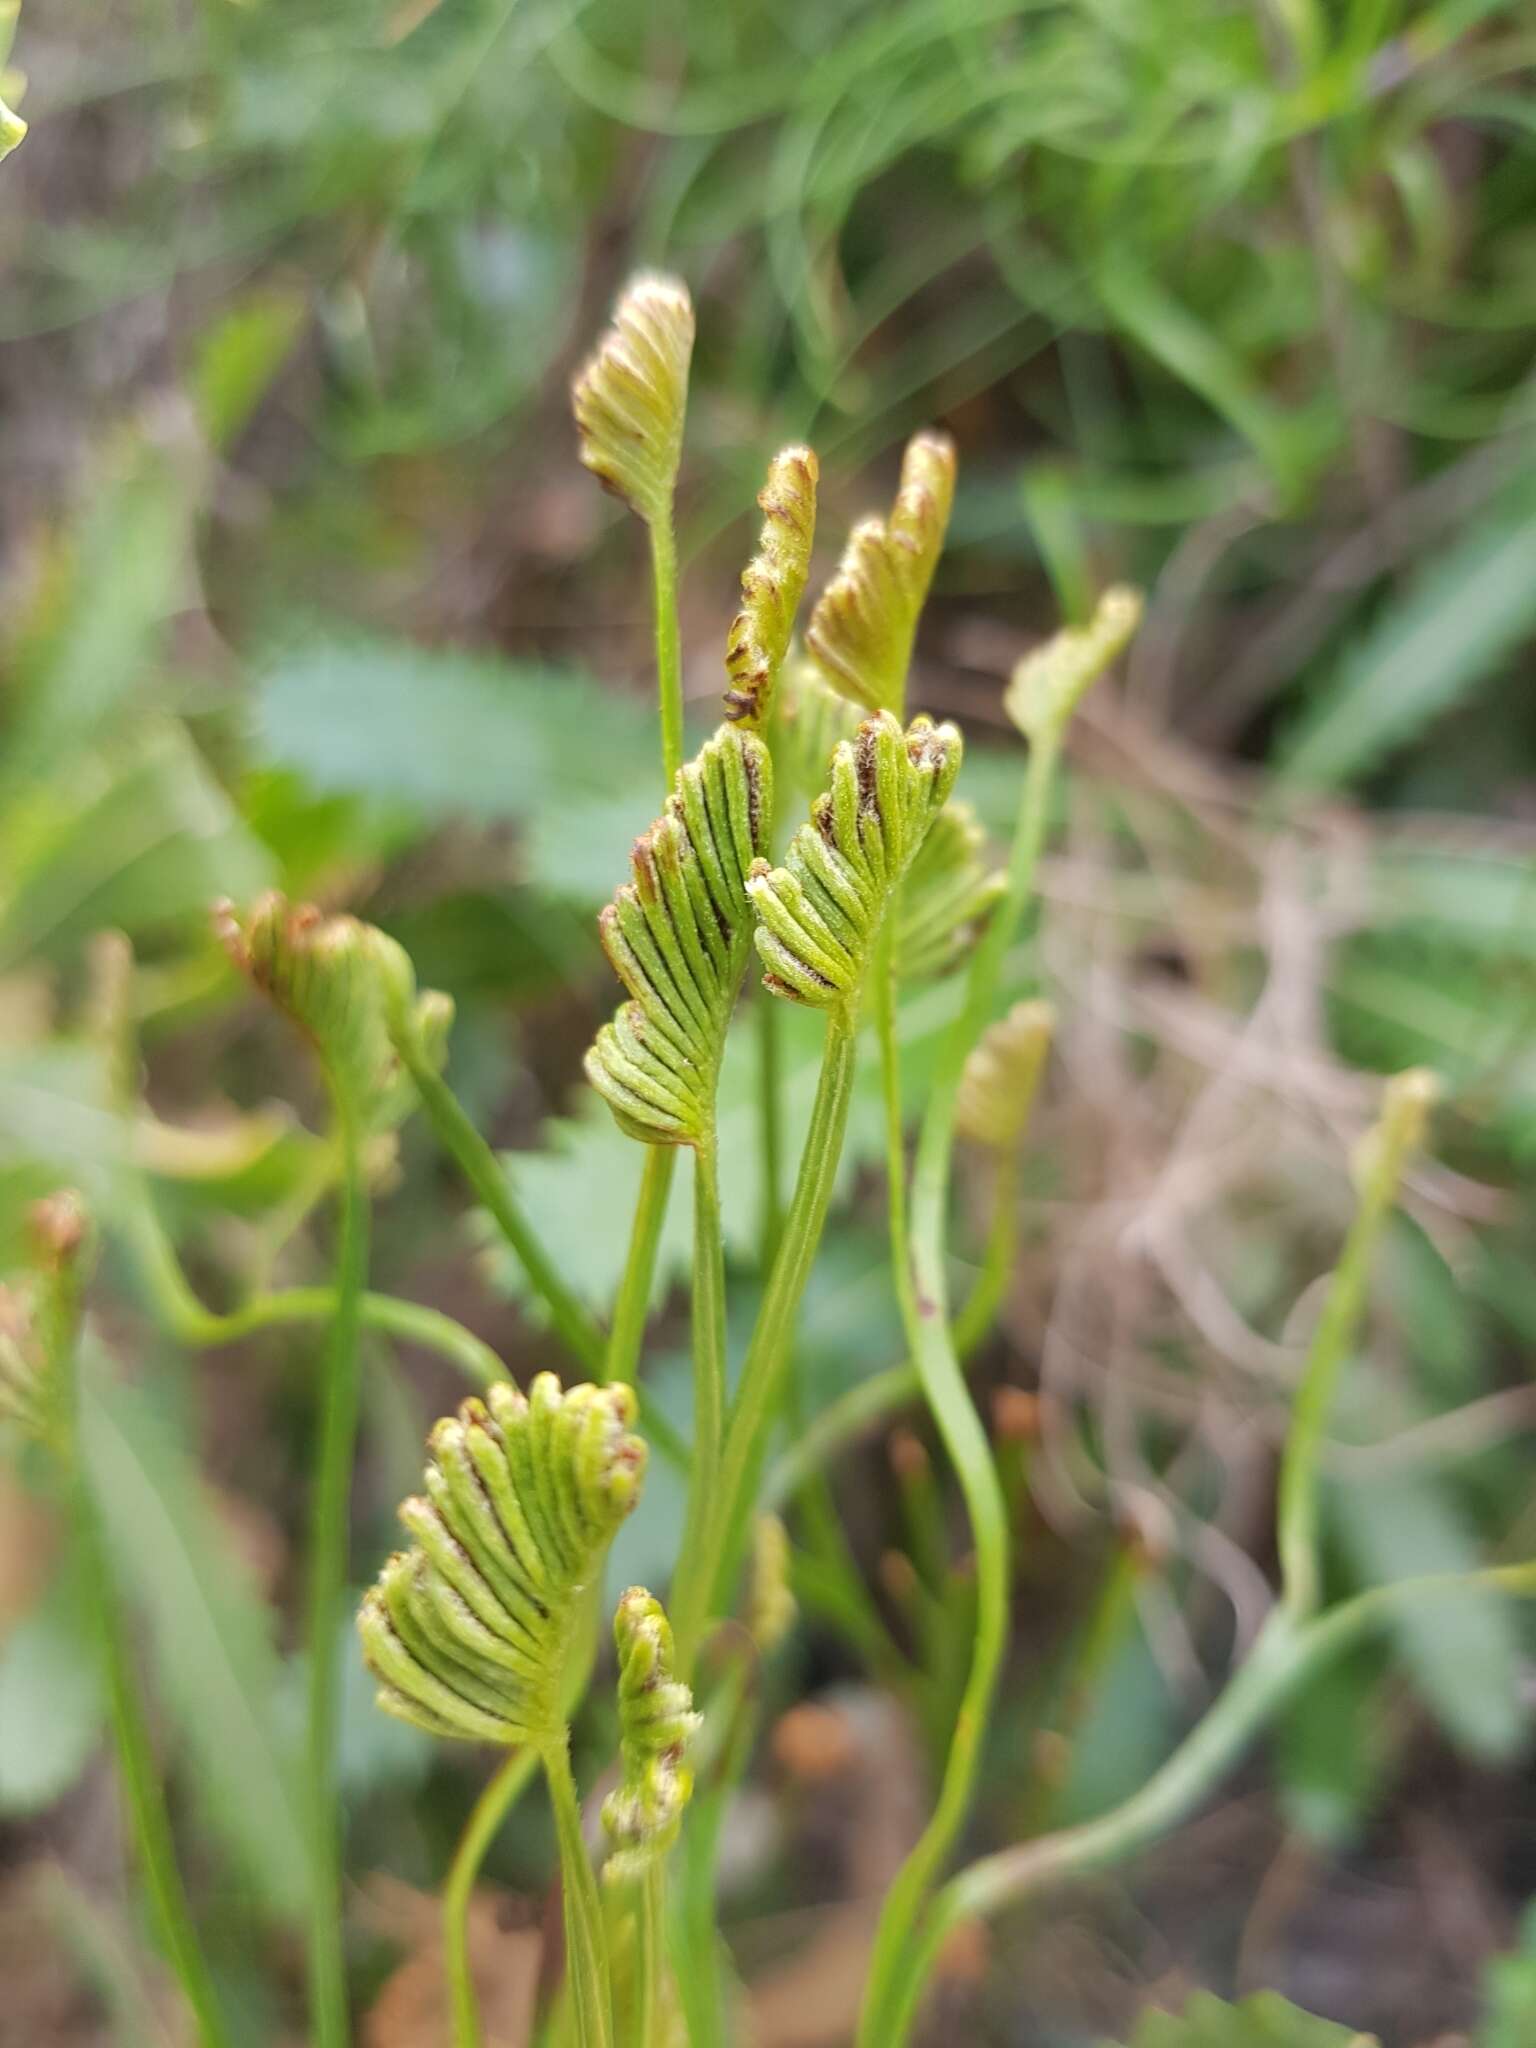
{"x":469,"y":1630}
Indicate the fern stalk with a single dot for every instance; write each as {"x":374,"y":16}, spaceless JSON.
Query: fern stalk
{"x":499,"y":1795}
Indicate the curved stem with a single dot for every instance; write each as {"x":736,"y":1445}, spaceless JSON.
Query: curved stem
{"x":496,"y":1801}
{"x":586,"y":1945}
{"x":709,"y":1565}
{"x":572,"y":1324}
{"x":328,"y":1534}
{"x":669,"y":665}
{"x":632,"y":1306}
{"x":143,"y":1788}
{"x":1283,"y":1657}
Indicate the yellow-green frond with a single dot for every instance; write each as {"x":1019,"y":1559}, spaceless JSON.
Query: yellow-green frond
{"x":862,"y":629}
{"x":676,"y":935}
{"x":771,"y":586}
{"x":1002,"y":1075}
{"x":656,"y":1725}
{"x":1047,"y":685}
{"x":946,"y":898}
{"x":818,"y":914}
{"x":631,"y":399}
{"x":467,"y":1630}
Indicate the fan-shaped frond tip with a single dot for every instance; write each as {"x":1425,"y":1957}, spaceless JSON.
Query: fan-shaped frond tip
{"x":656,"y":1725}
{"x":1047,"y":685}
{"x":631,"y":399}
{"x":771,"y":585}
{"x":998,"y":1086}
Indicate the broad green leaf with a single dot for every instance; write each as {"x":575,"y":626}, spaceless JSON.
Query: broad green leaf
{"x":1462,"y":1654}
{"x":210,"y":1636}
{"x":50,"y":1704}
{"x":1264,"y":2021}
{"x":1428,"y":649}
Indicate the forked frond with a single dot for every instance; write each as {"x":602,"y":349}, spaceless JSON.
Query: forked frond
{"x":350,"y":989}
{"x":818,"y":914}
{"x":467,"y":1630}
{"x":1002,"y":1074}
{"x":676,"y":934}
{"x":862,"y":629}
{"x":771,"y":586}
{"x":946,"y":898}
{"x":631,"y":398}
{"x":656,"y":1725}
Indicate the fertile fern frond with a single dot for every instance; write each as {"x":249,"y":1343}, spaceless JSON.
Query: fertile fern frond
{"x":656,"y":1725}
{"x":351,"y":990}
{"x":1046,"y":686}
{"x":467,"y":1630}
{"x":998,"y":1086}
{"x":771,"y":586}
{"x":862,"y":629}
{"x":39,"y":1318}
{"x":819,"y":914}
{"x":676,"y":934}
{"x":631,"y":398}
{"x":946,"y":898}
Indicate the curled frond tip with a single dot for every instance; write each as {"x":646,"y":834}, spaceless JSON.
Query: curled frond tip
{"x":631,"y":398}
{"x":771,"y":585}
{"x":656,"y":1725}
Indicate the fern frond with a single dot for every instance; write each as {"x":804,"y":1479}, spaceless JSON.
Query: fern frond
{"x":1046,"y":686}
{"x":862,"y":629}
{"x":631,"y":398}
{"x":810,"y":718}
{"x":39,"y":1318}
{"x":656,"y":1725}
{"x":350,"y":989}
{"x":1002,"y":1074}
{"x":946,"y":898}
{"x":818,"y":915}
{"x":676,"y":935}
{"x":467,"y":1630}
{"x":771,"y":586}
{"x":772,"y":1608}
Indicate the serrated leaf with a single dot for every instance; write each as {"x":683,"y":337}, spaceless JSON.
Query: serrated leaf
{"x":1428,"y":650}
{"x":210,"y":1636}
{"x":1264,"y":2021}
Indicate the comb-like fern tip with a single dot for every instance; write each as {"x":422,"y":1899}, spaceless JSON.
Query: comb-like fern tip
{"x":1002,"y":1075}
{"x":467,"y":1630}
{"x":862,"y":629}
{"x":946,"y":898}
{"x":818,"y":914}
{"x":676,"y":935}
{"x":1047,"y":686}
{"x":631,"y":398}
{"x":771,"y":586}
{"x":656,"y":1725}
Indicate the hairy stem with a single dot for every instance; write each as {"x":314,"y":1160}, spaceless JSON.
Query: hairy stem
{"x":586,"y":1945}
{"x":501,"y":1793}
{"x":923,"y":1294}
{"x":630,"y":1310}
{"x":327,"y":1566}
{"x":708,"y":1567}
{"x":1283,"y":1657}
{"x":142,"y":1784}
{"x":481,"y":1168}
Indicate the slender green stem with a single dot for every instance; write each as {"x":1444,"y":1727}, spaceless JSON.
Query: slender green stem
{"x":329,"y":1520}
{"x":708,"y":1345}
{"x":481,"y":1168}
{"x":650,"y":1959}
{"x":500,"y":1795}
{"x":696,"y":1945}
{"x":770,"y":1124}
{"x":923,"y":1295}
{"x":979,"y":1310}
{"x":632,"y":1307}
{"x":143,"y":1787}
{"x":1285,"y":1655}
{"x":710,"y":1565}
{"x":586,"y":1944}
{"x":669,"y":665}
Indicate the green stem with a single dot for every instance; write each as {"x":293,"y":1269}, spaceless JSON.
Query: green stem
{"x":923,"y":1295}
{"x":328,"y":1534}
{"x":708,"y":1345}
{"x":709,"y":1566}
{"x":770,"y":1124}
{"x":1284,"y":1656}
{"x":142,"y":1782}
{"x":650,"y":1974}
{"x":632,"y":1307}
{"x":669,"y":665}
{"x":481,"y":1168}
{"x":586,"y":1946}
{"x":499,"y":1796}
